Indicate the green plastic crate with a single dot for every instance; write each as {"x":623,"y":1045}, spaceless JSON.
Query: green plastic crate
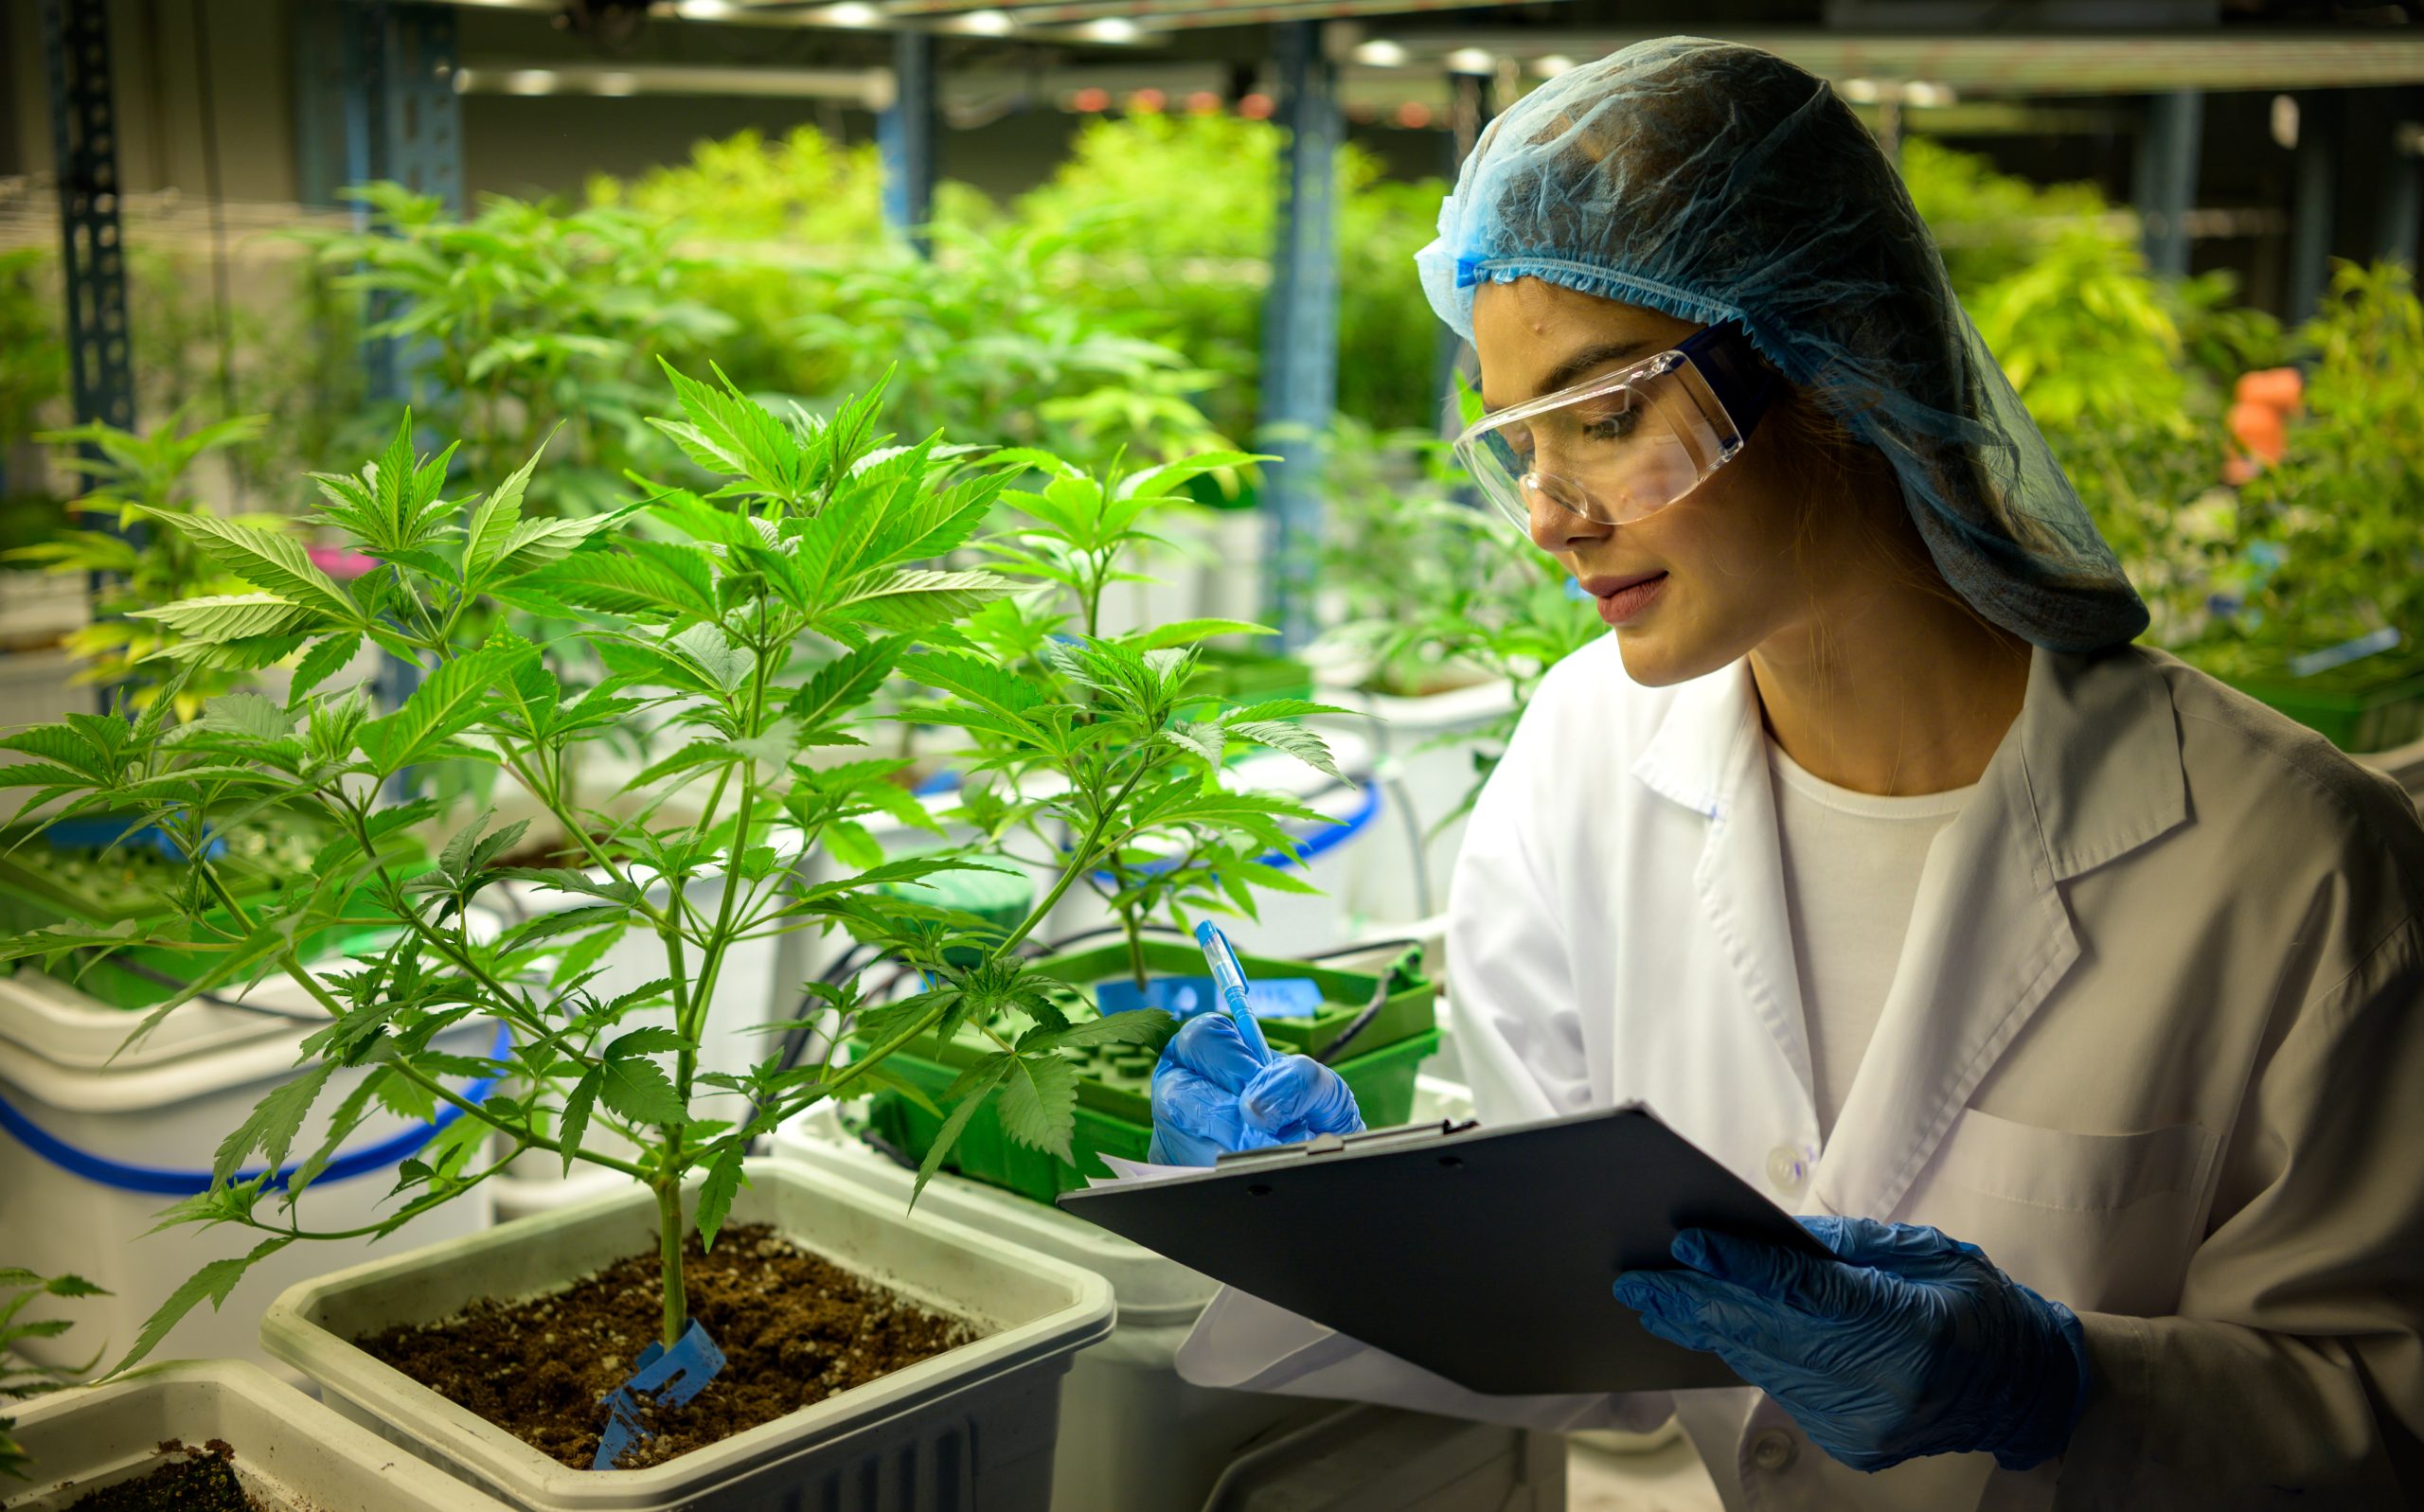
{"x":1114,"y":1090}
{"x":36,"y":892}
{"x":1409,"y":1010}
{"x":1383,"y":1081}
{"x":2356,"y":713}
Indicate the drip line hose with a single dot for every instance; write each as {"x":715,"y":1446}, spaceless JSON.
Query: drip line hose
{"x":159,"y":1181}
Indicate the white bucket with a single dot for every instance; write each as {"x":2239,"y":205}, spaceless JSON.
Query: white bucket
{"x":970,"y":1430}
{"x":1423,"y":756}
{"x":92,"y":1150}
{"x":290,"y":1454}
{"x":1132,"y":1434}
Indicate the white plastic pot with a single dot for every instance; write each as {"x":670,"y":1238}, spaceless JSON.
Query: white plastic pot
{"x":1423,"y":756}
{"x":1132,"y":1434}
{"x":1384,"y":1459}
{"x":290,"y":1454}
{"x":92,"y":1147}
{"x":969,"y":1431}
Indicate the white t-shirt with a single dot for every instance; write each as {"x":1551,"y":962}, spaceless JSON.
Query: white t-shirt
{"x":1851,"y":876}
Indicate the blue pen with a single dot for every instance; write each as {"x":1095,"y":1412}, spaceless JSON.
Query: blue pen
{"x":1230,"y":979}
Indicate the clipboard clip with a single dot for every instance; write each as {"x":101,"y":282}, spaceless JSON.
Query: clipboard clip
{"x":1339,"y":1143}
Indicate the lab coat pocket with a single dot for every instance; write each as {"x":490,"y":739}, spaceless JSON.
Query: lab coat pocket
{"x":2103,"y":1222}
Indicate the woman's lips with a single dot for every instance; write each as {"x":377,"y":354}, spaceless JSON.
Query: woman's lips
{"x":1622,"y":600}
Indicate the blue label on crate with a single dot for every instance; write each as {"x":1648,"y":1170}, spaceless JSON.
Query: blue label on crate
{"x":1183,"y":997}
{"x":666,"y":1377}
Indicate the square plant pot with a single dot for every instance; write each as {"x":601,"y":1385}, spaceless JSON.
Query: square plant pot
{"x":970,"y":1430}
{"x":291,"y":1455}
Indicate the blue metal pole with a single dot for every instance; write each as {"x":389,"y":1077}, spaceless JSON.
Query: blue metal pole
{"x":2318,"y":165}
{"x":1300,"y":328}
{"x":2166,"y":188}
{"x":905,"y":137}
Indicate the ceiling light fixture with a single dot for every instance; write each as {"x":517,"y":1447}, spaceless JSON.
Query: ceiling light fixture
{"x":1472,"y":61}
{"x":986,"y":23}
{"x":1551,"y":65}
{"x":1380,"y":53}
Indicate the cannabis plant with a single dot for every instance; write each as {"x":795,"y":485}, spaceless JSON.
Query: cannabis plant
{"x":21,"y":1377}
{"x":756,"y":619}
{"x":1088,"y":744}
{"x":139,"y":479}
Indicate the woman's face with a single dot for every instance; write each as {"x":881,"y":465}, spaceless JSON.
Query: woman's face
{"x":1697,"y":584}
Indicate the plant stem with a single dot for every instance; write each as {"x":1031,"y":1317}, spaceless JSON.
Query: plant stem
{"x":669,"y":1242}
{"x":1129,"y":924}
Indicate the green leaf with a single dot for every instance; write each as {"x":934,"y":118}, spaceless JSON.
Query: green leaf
{"x":716,"y":1195}
{"x":653,"y":1040}
{"x":449,"y":699}
{"x":536,"y":544}
{"x":494,"y":521}
{"x":267,"y":560}
{"x":215,"y":1281}
{"x":1207,"y":741}
{"x":919,"y":598}
{"x":1188,"y":631}
{"x":1040,"y":1103}
{"x":326,"y":658}
{"x":977,"y":1091}
{"x":228,"y":617}
{"x":843,"y":684}
{"x":1292,"y":739}
{"x":273,"y":1125}
{"x":579,"y":1104}
{"x":638,"y":1089}
{"x":1144,"y":1026}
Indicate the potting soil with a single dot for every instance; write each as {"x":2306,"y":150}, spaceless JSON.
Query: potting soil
{"x":204,"y":1481}
{"x":794,"y":1329}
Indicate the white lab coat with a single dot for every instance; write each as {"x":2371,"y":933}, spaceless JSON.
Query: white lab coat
{"x":2154,"y":1043}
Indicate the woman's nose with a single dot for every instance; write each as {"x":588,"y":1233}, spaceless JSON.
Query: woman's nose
{"x":1554,"y":527}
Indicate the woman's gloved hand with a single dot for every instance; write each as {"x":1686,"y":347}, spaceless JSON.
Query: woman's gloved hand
{"x":1907,"y":1343}
{"x":1210,"y":1095}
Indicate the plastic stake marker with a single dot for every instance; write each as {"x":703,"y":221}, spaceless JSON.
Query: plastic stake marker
{"x":667,"y":1379}
{"x":1230,"y":979}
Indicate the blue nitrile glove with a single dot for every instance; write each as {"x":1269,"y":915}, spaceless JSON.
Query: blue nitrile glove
{"x":1908,"y":1342}
{"x":1210,"y":1095}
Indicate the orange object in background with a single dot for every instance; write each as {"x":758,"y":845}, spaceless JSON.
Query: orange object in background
{"x":2280,"y":388}
{"x":2258,"y":419}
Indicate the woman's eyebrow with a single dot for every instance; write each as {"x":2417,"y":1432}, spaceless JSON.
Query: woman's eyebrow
{"x":1572,"y":369}
{"x":1568,"y":371}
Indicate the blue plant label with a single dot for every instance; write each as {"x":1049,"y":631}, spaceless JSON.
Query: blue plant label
{"x":1184,"y":997}
{"x":667,"y":1377}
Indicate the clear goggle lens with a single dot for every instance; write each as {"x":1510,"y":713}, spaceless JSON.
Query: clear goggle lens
{"x":1613,"y":450}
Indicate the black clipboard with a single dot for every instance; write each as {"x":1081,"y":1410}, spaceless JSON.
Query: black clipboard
{"x":1485,"y":1255}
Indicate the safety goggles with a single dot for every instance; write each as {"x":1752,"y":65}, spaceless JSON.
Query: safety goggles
{"x":1627,"y":445}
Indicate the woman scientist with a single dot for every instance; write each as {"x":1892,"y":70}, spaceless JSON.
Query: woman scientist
{"x":2077,"y":994}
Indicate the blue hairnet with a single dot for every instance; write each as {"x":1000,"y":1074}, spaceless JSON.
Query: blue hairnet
{"x":1716,"y":182}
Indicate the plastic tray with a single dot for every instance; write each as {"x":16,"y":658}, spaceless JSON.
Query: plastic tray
{"x":1383,"y":1081}
{"x":1410,"y":1008}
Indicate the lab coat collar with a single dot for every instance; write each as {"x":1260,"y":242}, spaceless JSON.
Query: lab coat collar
{"x":2089,"y":772}
{"x":2096,"y":754}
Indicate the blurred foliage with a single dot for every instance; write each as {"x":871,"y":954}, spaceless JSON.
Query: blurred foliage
{"x":523,"y":319}
{"x":137,"y":480}
{"x":980,"y":342}
{"x":1196,"y":258}
{"x":33,"y":347}
{"x":2344,"y":506}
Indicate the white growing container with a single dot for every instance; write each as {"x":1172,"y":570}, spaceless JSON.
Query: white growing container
{"x":84,"y":1135}
{"x":969,"y":1431}
{"x":1132,"y":1434}
{"x":1424,"y":755}
{"x":290,"y":1454}
{"x":1382,"y":1459}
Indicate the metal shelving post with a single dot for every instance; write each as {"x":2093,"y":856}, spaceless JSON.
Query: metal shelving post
{"x":1300,"y":326}
{"x":83,"y":129}
{"x":2167,"y":186}
{"x":905,"y":136}
{"x":2318,"y":165}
